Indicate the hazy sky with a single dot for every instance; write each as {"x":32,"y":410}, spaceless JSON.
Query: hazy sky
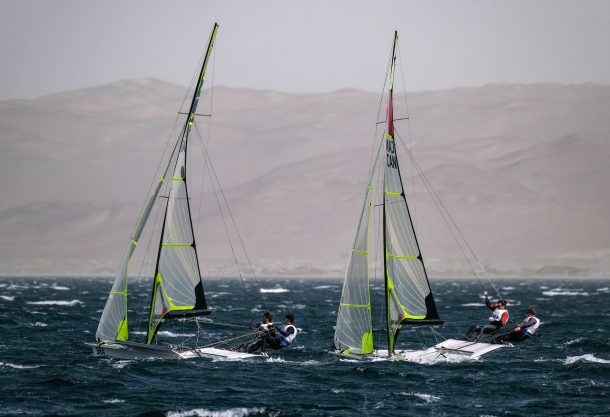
{"x":301,"y":46}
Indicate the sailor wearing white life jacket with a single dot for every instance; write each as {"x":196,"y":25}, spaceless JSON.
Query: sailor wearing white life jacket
{"x":498,"y":318}
{"x":287,"y":331}
{"x":266,"y":323}
{"x":528,"y":327}
{"x":284,"y":336}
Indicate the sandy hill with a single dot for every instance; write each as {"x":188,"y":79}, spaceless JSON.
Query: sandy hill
{"x":523,"y":170}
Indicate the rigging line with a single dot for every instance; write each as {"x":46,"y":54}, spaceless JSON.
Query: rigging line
{"x":457,"y":228}
{"x":385,"y":82}
{"x":421,"y":340}
{"x":439,"y":205}
{"x":227,"y":340}
{"x":404,"y":89}
{"x":222,"y":215}
{"x":241,"y":241}
{"x":216,"y":323}
{"x":145,"y":259}
{"x":447,"y":218}
{"x":211,"y":170}
{"x":147,"y":254}
{"x":218,"y":341}
{"x":172,"y":132}
{"x":395,"y":120}
{"x":208,"y":138}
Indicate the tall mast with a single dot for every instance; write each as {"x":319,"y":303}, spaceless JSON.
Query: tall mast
{"x":182,"y":143}
{"x":389,"y":135}
{"x":197,"y":93}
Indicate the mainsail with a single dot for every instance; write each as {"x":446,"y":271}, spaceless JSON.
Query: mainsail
{"x":408,"y":295}
{"x":177,"y":288}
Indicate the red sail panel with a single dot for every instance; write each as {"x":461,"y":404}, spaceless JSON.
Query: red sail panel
{"x":390,"y":117}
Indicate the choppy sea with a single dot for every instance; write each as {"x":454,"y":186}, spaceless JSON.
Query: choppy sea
{"x":47,"y":368}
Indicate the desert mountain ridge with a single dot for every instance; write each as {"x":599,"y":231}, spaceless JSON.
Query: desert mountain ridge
{"x":523,"y":170}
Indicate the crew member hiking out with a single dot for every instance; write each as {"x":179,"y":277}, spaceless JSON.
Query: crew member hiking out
{"x":496,"y":321}
{"x":523,"y":331}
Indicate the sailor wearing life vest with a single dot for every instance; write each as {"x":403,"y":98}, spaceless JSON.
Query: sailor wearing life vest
{"x":498,"y":318}
{"x":284,"y":336}
{"x":287,"y":331}
{"x":500,"y":315}
{"x":528,"y":327}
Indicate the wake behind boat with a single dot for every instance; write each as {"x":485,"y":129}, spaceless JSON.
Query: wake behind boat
{"x":408,"y":298}
{"x":177,"y":292}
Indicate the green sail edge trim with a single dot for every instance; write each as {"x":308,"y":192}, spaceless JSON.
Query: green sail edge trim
{"x":355,"y":305}
{"x":401,"y":257}
{"x":405,"y":313}
{"x":392,"y":193}
{"x":172,"y":306}
{"x":361,"y":252}
{"x":367,"y":342}
{"x":123,"y":333}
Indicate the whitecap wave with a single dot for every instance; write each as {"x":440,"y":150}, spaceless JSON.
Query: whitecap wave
{"x":322,"y":287}
{"x":18,"y":287}
{"x":55,"y":303}
{"x":589,"y":357}
{"x":555,"y":293}
{"x":204,"y":412}
{"x":471,"y":305}
{"x":311,"y":362}
{"x":39,"y":324}
{"x":167,"y":333}
{"x":15,"y":366}
{"x":114,"y":401}
{"x":273,"y":290}
{"x":426,"y":397}
{"x":571,"y":342}
{"x":604,"y":289}
{"x":59,"y":288}
{"x":120,"y":364}
{"x":8,"y":297}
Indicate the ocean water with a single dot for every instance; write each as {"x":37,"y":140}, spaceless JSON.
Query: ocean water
{"x":47,"y":368}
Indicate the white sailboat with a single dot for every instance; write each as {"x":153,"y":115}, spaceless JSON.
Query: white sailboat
{"x":177,"y":288}
{"x":408,"y":298}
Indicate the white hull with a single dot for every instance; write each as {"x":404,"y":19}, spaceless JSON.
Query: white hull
{"x":131,"y":350}
{"x":451,"y":350}
{"x":215,"y":353}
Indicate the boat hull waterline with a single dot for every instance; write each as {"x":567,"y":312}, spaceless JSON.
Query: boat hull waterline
{"x":449,"y":350}
{"x":131,"y":350}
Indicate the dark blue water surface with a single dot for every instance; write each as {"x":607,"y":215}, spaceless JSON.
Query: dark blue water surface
{"x":47,"y":368}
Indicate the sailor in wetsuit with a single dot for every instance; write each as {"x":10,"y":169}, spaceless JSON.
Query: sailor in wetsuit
{"x":523,"y":331}
{"x":284,"y":336}
{"x":498,"y":318}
